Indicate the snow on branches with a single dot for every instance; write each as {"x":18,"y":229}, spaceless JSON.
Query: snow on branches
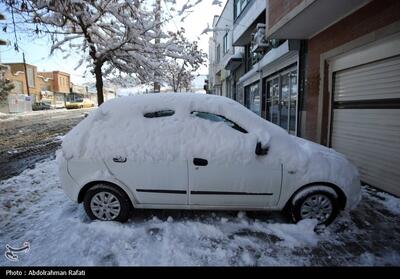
{"x":113,"y":36}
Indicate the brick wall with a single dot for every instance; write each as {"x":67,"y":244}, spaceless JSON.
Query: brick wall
{"x":16,"y":73}
{"x":61,"y":81}
{"x":375,"y":15}
{"x":279,"y":8}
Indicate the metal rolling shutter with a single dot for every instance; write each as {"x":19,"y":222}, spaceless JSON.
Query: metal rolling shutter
{"x":366,"y":121}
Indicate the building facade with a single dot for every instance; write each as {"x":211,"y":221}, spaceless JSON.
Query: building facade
{"x":328,"y":71}
{"x":50,"y":87}
{"x":59,"y":85}
{"x":24,"y":83}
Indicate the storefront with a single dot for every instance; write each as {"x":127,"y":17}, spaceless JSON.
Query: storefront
{"x":252,"y":98}
{"x":271,"y":87}
{"x":281,"y":99}
{"x":59,"y":100}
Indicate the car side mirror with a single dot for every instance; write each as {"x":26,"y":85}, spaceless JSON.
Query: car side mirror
{"x":261,"y":151}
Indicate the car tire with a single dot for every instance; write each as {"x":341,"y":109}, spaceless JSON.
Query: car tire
{"x":113,"y":196}
{"x":322,"y":205}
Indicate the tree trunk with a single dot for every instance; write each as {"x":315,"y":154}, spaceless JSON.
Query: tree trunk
{"x":99,"y":83}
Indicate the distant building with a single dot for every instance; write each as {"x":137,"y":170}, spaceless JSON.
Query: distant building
{"x":16,"y":74}
{"x":108,"y":93}
{"x":78,"y":92}
{"x":60,"y":85}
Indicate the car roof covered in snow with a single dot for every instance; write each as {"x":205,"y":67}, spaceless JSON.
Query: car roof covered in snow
{"x":119,"y":126}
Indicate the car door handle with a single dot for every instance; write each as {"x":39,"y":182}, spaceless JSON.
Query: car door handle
{"x":200,"y":162}
{"x":119,"y":159}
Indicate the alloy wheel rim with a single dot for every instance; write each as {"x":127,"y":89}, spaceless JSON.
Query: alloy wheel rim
{"x":105,"y":206}
{"x":316,"y":207}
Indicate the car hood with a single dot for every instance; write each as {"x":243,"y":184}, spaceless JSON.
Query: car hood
{"x":325,"y":164}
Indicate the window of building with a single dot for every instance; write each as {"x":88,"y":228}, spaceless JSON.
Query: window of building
{"x":218,"y":53}
{"x":252,"y":98}
{"x":281,"y":100}
{"x":239,"y":6}
{"x":31,"y":78}
{"x":225,"y":44}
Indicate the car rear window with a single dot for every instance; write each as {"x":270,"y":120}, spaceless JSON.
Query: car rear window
{"x":160,"y":113}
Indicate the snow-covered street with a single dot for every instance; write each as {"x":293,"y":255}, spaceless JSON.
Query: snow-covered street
{"x":30,"y":137}
{"x":34,"y":208}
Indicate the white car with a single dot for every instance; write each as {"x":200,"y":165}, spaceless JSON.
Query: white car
{"x":197,"y":151}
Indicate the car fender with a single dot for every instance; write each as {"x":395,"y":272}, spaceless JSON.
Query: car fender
{"x":87,"y":172}
{"x":293,"y":181}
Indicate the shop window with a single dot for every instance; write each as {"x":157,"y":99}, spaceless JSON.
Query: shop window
{"x":252,"y":98}
{"x":281,"y":100}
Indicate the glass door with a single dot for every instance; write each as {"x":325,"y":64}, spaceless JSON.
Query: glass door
{"x":281,"y":100}
{"x":293,"y":102}
{"x":284,"y":101}
{"x":273,"y":100}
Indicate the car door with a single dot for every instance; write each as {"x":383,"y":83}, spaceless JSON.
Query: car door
{"x":230,"y":180}
{"x":157,"y":181}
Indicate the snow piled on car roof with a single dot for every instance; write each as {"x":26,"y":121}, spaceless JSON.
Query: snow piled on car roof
{"x":119,"y":128}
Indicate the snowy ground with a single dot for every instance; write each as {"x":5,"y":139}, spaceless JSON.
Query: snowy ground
{"x":34,"y":208}
{"x":31,"y":138}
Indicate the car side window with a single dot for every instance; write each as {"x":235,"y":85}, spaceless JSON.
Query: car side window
{"x":160,"y":113}
{"x":218,"y":118}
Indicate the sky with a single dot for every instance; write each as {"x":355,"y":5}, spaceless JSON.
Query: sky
{"x":37,"y":50}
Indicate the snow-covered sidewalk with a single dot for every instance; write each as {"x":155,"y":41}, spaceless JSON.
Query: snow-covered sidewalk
{"x":34,"y":208}
{"x":5,"y":117}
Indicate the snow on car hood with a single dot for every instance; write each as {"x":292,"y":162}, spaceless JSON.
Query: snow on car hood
{"x":325,"y":164}
{"x":119,"y":128}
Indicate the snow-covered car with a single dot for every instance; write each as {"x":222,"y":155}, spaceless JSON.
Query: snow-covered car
{"x":197,"y":151}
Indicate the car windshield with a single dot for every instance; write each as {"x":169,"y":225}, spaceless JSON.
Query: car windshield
{"x":218,"y":118}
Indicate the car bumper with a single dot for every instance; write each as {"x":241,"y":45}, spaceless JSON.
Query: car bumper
{"x":71,"y":189}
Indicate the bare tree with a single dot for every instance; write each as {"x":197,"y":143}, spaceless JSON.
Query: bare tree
{"x":177,"y":76}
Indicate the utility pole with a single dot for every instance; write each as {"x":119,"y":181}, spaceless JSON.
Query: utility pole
{"x":26,"y":74}
{"x":157,"y":41}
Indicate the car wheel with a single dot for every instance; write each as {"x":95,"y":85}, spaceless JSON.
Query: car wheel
{"x":107,"y":203}
{"x":322,"y":205}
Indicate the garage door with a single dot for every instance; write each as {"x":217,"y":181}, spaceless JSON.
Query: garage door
{"x":366,"y":121}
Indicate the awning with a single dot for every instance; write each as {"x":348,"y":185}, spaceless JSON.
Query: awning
{"x":233,"y":62}
{"x":311,"y":17}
